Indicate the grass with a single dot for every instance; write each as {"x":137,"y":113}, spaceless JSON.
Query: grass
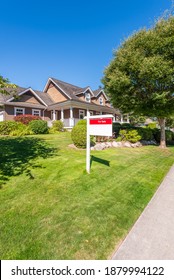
{"x":51,"y":209}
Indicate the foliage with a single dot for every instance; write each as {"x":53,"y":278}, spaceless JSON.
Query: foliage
{"x":22,"y":130}
{"x":6,"y":127}
{"x":137,"y":120}
{"x":81,"y":122}
{"x":51,"y":209}
{"x":57,"y":126}
{"x":5,"y":84}
{"x":140,"y":76}
{"x":129,"y":135}
{"x":26,"y":119}
{"x":146,"y":133}
{"x":152,"y":125}
{"x":39,"y":126}
{"x":170,"y":122}
{"x":78,"y":134}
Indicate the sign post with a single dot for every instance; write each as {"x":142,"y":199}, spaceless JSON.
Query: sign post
{"x":100,"y":125}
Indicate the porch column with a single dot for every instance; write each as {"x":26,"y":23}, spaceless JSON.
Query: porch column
{"x":71,"y":120}
{"x":127,"y":118}
{"x":121,"y":118}
{"x":54,"y":115}
{"x":101,"y":112}
{"x":62,"y":115}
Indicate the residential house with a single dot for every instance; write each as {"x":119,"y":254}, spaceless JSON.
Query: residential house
{"x":58,"y":101}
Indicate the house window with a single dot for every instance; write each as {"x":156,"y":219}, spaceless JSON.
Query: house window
{"x":19,"y":111}
{"x":101,"y":100}
{"x":81,"y":114}
{"x":36,"y":112}
{"x":91,"y":113}
{"x":87,"y":97}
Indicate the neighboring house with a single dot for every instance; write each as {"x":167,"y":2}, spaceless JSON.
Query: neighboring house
{"x":58,"y":101}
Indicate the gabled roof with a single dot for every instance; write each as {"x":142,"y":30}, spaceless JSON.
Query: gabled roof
{"x":98,"y":92}
{"x":41,"y":96}
{"x":68,"y":89}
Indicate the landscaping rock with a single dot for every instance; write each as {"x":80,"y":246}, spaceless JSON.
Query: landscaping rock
{"x":117,"y":144}
{"x":127,"y":144}
{"x":99,"y":147}
{"x":136,"y":145}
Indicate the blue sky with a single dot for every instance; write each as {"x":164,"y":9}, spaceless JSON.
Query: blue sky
{"x":69,"y":40}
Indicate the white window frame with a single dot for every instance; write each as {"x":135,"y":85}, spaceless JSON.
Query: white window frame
{"x":101,"y":100}
{"x":81,"y":112}
{"x":39,"y":111}
{"x":87,"y":97}
{"x":19,"y":108}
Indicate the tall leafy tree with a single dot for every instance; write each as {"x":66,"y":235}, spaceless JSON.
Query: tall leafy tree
{"x":140,"y":78}
{"x":5,"y":85}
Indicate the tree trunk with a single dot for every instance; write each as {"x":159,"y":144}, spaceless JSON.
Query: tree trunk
{"x":163,"y":134}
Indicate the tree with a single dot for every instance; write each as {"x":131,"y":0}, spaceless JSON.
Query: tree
{"x":140,"y":78}
{"x":5,"y":85}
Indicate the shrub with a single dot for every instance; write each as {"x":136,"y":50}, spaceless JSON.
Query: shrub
{"x":129,"y":135}
{"x":78,"y":135}
{"x":22,"y":130}
{"x":145,"y":133}
{"x":82,"y":122}
{"x":152,"y":125}
{"x":39,"y":127}
{"x":157,"y":135}
{"x":116,"y":128}
{"x":57,"y":126}
{"x":7,"y":126}
{"x":26,"y":119}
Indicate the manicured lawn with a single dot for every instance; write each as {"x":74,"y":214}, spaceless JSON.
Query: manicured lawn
{"x":51,"y":209}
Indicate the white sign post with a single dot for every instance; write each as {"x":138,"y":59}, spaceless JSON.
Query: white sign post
{"x":99,"y":125}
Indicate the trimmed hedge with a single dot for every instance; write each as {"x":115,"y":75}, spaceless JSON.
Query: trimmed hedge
{"x":26,"y":119}
{"x":78,"y":135}
{"x":39,"y":127}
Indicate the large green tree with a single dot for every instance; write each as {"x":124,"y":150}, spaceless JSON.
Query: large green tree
{"x":5,"y":85}
{"x":140,"y":78}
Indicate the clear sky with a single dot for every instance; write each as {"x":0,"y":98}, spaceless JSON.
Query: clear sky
{"x":72,"y":41}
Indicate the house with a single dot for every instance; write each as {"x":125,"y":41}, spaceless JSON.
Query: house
{"x":58,"y":101}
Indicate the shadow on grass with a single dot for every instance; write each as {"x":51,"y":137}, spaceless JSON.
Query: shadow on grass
{"x":99,"y":160}
{"x":17,"y":156}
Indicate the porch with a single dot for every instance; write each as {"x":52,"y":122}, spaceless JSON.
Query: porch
{"x":70,"y":112}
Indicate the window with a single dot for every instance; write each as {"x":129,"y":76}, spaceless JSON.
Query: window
{"x":91,"y":113}
{"x":36,"y":112}
{"x":87,"y":97}
{"x":81,"y":114}
{"x":19,"y":111}
{"x":101,"y":100}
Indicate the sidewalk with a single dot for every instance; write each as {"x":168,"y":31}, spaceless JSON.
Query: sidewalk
{"x":152,"y":236}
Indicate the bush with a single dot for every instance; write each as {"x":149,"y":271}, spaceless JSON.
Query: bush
{"x":157,"y":135}
{"x":57,"y":126}
{"x":22,"y":130}
{"x":39,"y":127}
{"x":26,"y":119}
{"x":82,"y":122}
{"x":145,"y":133}
{"x":6,"y":127}
{"x":116,"y":128}
{"x":129,"y":135}
{"x":152,"y":125}
{"x":78,"y":135}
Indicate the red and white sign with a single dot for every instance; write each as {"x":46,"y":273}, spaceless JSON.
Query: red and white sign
{"x":100,"y":126}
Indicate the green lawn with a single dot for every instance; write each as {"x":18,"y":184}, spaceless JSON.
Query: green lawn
{"x":51,"y":209}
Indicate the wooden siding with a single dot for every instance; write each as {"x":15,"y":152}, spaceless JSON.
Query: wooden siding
{"x":55,"y":94}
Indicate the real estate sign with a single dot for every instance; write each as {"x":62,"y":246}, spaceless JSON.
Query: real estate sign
{"x":100,"y":125}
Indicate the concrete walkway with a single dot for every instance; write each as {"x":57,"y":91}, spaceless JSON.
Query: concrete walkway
{"x":152,"y":236}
